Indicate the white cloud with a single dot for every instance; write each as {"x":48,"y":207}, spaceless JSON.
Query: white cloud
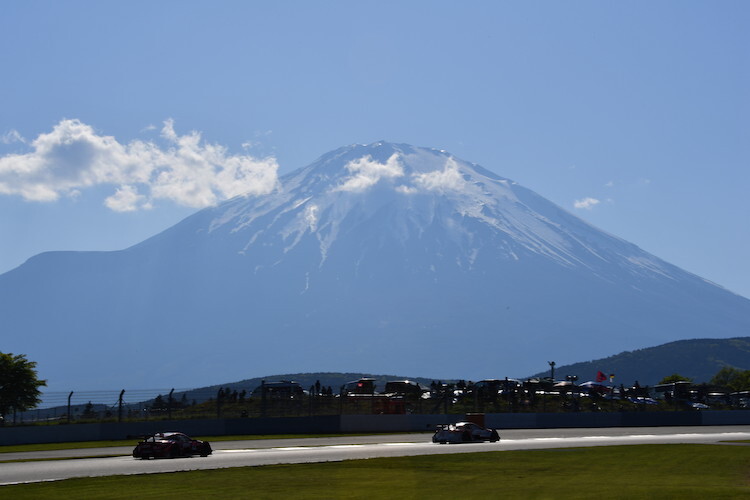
{"x":448,"y":179}
{"x":367,"y":173}
{"x":406,"y":190}
{"x":586,"y":203}
{"x":11,"y":137}
{"x":126,"y":199}
{"x":185,"y":170}
{"x":254,"y":144}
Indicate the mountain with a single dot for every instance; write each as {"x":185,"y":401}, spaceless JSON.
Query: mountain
{"x":375,"y":258}
{"x":697,"y":359}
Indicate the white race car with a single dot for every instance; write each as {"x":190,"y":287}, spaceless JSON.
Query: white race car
{"x":464,"y":432}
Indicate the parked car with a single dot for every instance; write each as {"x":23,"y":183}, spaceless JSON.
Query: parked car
{"x":170,"y":445}
{"x":283,"y":389}
{"x":405,"y":388}
{"x":695,"y":405}
{"x":643,"y":401}
{"x":357,"y":387}
{"x":464,"y":432}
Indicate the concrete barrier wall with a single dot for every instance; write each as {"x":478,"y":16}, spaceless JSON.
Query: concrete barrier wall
{"x":327,"y":424}
{"x":395,"y":423}
{"x":422,"y":423}
{"x":726,"y":417}
{"x":614,"y":419}
{"x":333,"y":424}
{"x":132,"y":430}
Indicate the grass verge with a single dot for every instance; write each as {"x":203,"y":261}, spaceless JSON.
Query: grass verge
{"x":682,"y":471}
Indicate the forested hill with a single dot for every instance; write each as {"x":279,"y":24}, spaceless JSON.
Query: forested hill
{"x":698,"y":359}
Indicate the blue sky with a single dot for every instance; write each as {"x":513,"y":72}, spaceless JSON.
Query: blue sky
{"x":118,"y":119}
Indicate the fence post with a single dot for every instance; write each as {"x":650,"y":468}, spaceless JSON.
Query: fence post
{"x":219,"y":397}
{"x":69,"y":396}
{"x":119,"y":406}
{"x":169,"y":405}
{"x":262,"y":398}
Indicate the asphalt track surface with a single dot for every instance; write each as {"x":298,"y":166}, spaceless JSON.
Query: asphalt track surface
{"x":79,"y":462}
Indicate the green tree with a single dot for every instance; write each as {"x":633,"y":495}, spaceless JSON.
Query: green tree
{"x":19,"y":385}
{"x":159,"y":403}
{"x":88,"y":411}
{"x":732,"y":378}
{"x":675,"y":377}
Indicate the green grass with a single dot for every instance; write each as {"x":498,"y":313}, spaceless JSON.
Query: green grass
{"x":644,"y":471}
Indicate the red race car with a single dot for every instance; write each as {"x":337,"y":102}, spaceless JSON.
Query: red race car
{"x":170,"y":445}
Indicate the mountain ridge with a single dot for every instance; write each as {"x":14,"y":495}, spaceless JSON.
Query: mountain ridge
{"x":697,"y":359}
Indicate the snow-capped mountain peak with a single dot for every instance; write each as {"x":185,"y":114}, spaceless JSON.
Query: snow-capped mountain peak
{"x":416,"y":189}
{"x":380,"y":257}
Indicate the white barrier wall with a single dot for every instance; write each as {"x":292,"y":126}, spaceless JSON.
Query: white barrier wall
{"x":334,"y":424}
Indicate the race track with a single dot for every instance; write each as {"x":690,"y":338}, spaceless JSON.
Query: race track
{"x":288,"y":451}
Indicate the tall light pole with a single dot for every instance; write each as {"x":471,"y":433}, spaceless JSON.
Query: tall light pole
{"x":552,"y":370}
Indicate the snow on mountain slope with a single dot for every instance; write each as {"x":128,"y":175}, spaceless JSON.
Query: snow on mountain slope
{"x":418,"y":189}
{"x":380,"y":257}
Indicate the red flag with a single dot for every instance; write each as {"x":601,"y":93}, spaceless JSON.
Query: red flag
{"x":600,"y":377}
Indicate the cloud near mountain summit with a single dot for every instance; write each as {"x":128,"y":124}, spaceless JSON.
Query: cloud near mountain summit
{"x":366,"y":172}
{"x":185,"y":170}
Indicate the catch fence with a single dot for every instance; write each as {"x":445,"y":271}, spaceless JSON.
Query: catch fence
{"x":268,"y":400}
